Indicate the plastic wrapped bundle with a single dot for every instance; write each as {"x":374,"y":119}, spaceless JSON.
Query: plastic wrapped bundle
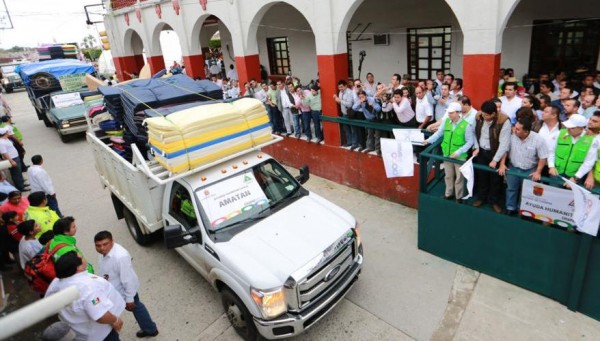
{"x":196,"y":136}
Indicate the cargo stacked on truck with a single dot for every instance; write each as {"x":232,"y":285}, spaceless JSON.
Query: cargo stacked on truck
{"x":281,"y":256}
{"x":47,"y":79}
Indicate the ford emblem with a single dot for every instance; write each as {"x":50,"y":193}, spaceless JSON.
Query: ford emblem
{"x":331,"y":274}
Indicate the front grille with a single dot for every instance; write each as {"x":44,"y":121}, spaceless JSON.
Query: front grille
{"x":323,"y":278}
{"x":77,"y":122}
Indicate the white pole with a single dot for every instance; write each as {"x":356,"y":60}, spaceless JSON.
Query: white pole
{"x":36,"y":312}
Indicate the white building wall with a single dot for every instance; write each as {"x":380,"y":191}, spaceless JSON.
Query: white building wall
{"x":516,"y":42}
{"x":284,"y":21}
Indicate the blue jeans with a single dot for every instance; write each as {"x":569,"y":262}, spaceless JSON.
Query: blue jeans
{"x":513,"y":187}
{"x":316,"y":118}
{"x":297,"y":129}
{"x":113,"y":336}
{"x":351,"y":134}
{"x":306,"y":117}
{"x":17,"y":175}
{"x":53,"y":204}
{"x":142,"y":316}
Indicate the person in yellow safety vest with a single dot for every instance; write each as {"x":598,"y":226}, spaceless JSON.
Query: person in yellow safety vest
{"x":593,"y":129}
{"x":575,"y":152}
{"x":458,"y":137}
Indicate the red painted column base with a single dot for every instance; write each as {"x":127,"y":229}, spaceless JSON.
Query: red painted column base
{"x":248,"y":67}
{"x":194,"y":66}
{"x":125,"y":66}
{"x":480,"y":77}
{"x":157,"y":63}
{"x":332,"y":68}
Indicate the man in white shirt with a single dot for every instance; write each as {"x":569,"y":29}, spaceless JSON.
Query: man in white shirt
{"x":551,"y":126}
{"x":10,"y":153}
{"x":94,"y":316}
{"x":232,"y":73}
{"x":423,"y":109}
{"x":468,"y":112}
{"x":510,"y":102}
{"x":40,"y":181}
{"x":115,"y":266}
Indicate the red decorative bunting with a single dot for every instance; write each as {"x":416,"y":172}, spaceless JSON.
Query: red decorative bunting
{"x":158,"y":11}
{"x":138,"y":14}
{"x":203,"y":4}
{"x":176,"y":6}
{"x":126,"y":16}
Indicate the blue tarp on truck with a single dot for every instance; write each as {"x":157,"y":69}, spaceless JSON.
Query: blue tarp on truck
{"x":55,"y":67}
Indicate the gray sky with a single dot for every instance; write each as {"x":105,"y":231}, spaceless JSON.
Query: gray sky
{"x":39,"y":22}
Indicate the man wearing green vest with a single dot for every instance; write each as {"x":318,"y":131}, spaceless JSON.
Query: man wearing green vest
{"x":64,"y":232}
{"x":575,"y":152}
{"x":593,"y":129}
{"x":457,"y":140}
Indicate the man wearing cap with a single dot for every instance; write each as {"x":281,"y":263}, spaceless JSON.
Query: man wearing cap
{"x":492,"y":132}
{"x":575,"y":152}
{"x":457,"y":140}
{"x":10,"y":153}
{"x":593,"y":129}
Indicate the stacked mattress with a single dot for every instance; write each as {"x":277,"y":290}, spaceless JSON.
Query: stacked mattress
{"x":199,"y":135}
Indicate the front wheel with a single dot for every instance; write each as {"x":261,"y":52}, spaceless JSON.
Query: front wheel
{"x":239,"y":316}
{"x":47,"y":121}
{"x":134,"y":228}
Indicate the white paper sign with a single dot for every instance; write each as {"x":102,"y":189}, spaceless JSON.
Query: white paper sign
{"x":414,"y":136}
{"x":467,"y":171}
{"x":231,"y":197}
{"x":587,"y":209}
{"x":67,"y":100}
{"x":547,"y":203}
{"x":397,"y":158}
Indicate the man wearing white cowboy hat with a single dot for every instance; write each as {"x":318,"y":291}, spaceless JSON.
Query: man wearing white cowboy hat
{"x":10,"y":153}
{"x":458,"y":137}
{"x":575,"y":152}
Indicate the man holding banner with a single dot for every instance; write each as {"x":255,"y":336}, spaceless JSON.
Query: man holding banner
{"x":458,"y":137}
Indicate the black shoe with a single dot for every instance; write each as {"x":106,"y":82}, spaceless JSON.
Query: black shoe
{"x":449,"y":198}
{"x":459,"y":201}
{"x":354,"y":147}
{"x":379,"y":153}
{"x":142,"y":333}
{"x":511,"y":213}
{"x":366,"y":150}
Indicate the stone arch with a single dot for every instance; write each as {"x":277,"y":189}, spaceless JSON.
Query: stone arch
{"x":133,"y":43}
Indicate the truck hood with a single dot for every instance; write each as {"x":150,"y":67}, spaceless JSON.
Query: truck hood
{"x":268,"y":252}
{"x":68,"y":113}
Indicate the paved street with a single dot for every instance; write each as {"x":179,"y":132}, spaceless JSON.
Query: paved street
{"x":403,"y":293}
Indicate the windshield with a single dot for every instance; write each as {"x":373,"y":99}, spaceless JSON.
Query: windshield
{"x":66,"y":100}
{"x":246,"y":196}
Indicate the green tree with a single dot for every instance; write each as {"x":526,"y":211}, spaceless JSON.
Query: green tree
{"x":89,"y":41}
{"x":214,"y":43}
{"x":92,"y":53}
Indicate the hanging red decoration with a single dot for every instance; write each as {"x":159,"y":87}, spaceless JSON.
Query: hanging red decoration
{"x":176,"y":6}
{"x":203,"y":4}
{"x":158,"y":11}
{"x":126,"y":16}
{"x":138,"y":14}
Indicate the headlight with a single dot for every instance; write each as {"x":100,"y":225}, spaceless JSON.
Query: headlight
{"x":272,"y":303}
{"x":357,"y":234}
{"x":65,"y":125}
{"x":4,"y":81}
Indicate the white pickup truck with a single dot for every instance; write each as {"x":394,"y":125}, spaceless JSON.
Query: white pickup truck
{"x":281,"y":256}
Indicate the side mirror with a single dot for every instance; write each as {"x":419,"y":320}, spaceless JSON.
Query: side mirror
{"x":304,"y":174}
{"x":176,"y":236}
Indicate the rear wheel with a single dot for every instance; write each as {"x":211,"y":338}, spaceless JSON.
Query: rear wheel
{"x":134,"y":228}
{"x":238,"y":315}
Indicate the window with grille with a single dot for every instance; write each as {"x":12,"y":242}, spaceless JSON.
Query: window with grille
{"x":429,"y":50}
{"x":565,"y":45}
{"x":279,"y":57}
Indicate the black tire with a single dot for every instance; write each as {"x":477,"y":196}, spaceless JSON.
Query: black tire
{"x":47,"y":121}
{"x":238,"y":315}
{"x":64,"y":138}
{"x":134,"y":228}
{"x":9,"y":90}
{"x":40,"y":113}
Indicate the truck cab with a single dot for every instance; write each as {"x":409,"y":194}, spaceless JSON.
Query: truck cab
{"x":67,"y":114}
{"x":280,"y":255}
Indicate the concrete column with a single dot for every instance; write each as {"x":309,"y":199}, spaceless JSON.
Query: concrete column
{"x":248,"y":67}
{"x":156,"y":63}
{"x":125,"y":66}
{"x":140,"y":62}
{"x":480,"y":77}
{"x":332,"y":68}
{"x":194,"y":66}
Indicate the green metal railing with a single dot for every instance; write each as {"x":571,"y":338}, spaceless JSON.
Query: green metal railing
{"x":560,"y":264}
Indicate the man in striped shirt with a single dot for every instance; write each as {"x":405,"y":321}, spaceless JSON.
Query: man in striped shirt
{"x":527,"y":155}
